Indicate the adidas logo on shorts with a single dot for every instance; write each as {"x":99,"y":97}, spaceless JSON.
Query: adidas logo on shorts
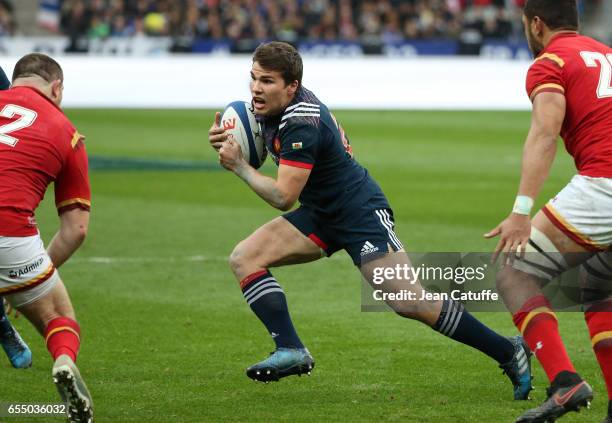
{"x":368,"y":248}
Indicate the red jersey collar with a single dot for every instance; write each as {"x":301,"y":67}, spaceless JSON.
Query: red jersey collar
{"x":40,"y":93}
{"x":562,"y":34}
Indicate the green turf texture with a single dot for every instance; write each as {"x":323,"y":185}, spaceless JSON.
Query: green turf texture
{"x":167,"y":334}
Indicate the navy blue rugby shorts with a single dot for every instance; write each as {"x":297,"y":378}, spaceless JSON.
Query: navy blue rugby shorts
{"x":364,"y":233}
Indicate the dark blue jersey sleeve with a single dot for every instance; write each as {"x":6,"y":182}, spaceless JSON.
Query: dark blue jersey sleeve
{"x":299,"y":145}
{"x":4,"y":81}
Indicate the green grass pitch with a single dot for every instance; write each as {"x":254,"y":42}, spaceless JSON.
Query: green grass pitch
{"x":167,"y":335}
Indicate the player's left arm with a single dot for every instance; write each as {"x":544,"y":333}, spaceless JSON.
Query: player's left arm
{"x":73,"y":201}
{"x":538,"y":155}
{"x":71,"y":234}
{"x":280,"y":193}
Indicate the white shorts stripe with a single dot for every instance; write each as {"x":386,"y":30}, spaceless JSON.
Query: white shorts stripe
{"x":391,"y":225}
{"x":389,"y":228}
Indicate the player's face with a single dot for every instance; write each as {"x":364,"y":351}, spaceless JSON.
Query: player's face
{"x":270,"y":95}
{"x":531,"y":29}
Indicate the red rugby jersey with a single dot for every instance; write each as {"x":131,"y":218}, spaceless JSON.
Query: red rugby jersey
{"x":580,"y":68}
{"x":38,"y":145}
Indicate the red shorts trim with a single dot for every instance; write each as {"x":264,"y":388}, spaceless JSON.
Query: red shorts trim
{"x":318,"y":241}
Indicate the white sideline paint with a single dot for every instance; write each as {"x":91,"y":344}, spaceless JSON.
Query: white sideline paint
{"x":193,"y":81}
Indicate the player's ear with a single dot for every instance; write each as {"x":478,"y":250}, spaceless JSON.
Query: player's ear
{"x":293,"y":87}
{"x":537,"y":26}
{"x":57,"y":88}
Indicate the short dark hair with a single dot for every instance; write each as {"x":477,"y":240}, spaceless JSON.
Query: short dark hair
{"x":280,"y":57}
{"x":40,"y":65}
{"x":556,"y":14}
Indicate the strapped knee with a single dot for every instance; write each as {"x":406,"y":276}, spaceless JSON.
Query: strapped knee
{"x":542,"y":258}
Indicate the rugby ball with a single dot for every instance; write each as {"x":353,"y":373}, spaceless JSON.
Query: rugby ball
{"x":239,"y":121}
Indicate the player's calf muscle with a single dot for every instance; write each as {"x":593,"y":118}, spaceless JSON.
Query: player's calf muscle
{"x":516,"y":287}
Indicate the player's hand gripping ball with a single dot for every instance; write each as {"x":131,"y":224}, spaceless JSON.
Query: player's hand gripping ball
{"x":239,"y":122}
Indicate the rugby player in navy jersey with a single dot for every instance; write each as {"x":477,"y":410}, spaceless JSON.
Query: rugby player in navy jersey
{"x":341,"y":207}
{"x":17,"y":351}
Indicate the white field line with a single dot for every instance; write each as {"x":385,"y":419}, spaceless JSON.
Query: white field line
{"x":165,"y":259}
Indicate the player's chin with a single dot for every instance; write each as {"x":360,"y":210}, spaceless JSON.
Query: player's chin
{"x":260,"y":109}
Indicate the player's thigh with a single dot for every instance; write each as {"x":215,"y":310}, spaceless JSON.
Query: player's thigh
{"x":596,"y":282}
{"x":54,"y":303}
{"x":29,"y":281}
{"x":276,"y":243}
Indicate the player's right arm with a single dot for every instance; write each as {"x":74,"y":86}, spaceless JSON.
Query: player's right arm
{"x":296,"y":163}
{"x":541,"y":144}
{"x":280,"y":193}
{"x":538,"y":156}
{"x":546,"y":88}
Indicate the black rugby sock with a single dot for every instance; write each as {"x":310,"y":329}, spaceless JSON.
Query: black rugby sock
{"x":458,"y":324}
{"x":268,"y":302}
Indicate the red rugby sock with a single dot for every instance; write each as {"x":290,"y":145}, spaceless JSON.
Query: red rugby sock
{"x":62,"y":336}
{"x":600,"y":329}
{"x":538,"y":324}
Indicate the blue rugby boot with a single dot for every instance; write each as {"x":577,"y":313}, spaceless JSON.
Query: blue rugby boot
{"x":16,"y":349}
{"x":282,"y":362}
{"x":519,"y":368}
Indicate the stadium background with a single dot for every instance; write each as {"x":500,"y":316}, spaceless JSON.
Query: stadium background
{"x":166,"y":333}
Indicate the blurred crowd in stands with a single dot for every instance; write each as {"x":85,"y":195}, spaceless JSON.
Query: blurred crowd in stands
{"x":389,"y":20}
{"x":291,"y":20}
{"x":7,"y":20}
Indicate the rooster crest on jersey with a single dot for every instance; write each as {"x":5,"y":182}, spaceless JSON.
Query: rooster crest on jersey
{"x":239,"y":121}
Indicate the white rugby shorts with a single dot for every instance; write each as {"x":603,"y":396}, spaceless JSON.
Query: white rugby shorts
{"x":26,"y":270}
{"x":583,"y":211}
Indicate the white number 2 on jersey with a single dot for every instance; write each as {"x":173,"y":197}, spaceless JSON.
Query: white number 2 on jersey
{"x":26,"y":118}
{"x":604,"y":89}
